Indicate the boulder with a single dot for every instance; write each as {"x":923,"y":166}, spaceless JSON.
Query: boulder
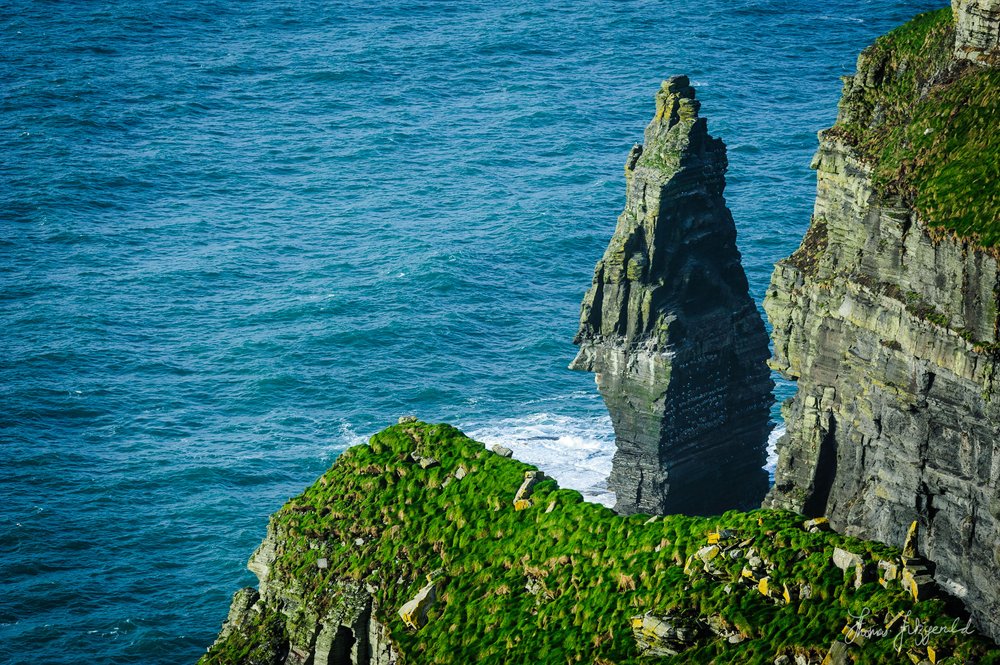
{"x":665,"y":635}
{"x":888,"y":571}
{"x":522,"y":499}
{"x":707,"y":553}
{"x":414,"y":612}
{"x":816,"y":524}
{"x":502,"y":451}
{"x":845,"y":560}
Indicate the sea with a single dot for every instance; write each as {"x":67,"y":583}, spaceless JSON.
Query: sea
{"x":237,"y":238}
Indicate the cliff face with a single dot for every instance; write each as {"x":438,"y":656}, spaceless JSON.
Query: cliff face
{"x":977,"y":30}
{"x":281,"y":622}
{"x":887,"y":315}
{"x":670,"y":330}
{"x":425,"y":547}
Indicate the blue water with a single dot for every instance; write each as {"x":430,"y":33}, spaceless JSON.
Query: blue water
{"x":237,"y":237}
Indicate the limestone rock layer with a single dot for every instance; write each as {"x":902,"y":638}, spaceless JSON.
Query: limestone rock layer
{"x":281,"y":624}
{"x":977,"y":30}
{"x":668,"y":327}
{"x":891,"y":332}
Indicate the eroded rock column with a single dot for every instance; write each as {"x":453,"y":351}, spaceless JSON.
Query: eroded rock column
{"x":670,"y":330}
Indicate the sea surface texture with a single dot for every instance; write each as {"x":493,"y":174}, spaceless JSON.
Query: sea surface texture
{"x":238,"y":237}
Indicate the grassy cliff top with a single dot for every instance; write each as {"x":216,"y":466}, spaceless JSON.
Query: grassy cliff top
{"x":928,"y":126}
{"x":561,"y":580}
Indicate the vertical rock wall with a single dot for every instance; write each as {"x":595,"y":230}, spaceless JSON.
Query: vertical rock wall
{"x":343,"y":629}
{"x":892,"y":336}
{"x":668,"y":327}
{"x":977,"y":30}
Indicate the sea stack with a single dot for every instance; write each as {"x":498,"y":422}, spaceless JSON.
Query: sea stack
{"x":669,"y":328}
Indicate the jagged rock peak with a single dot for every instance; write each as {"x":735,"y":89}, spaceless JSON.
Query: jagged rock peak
{"x":677,"y":344}
{"x":675,"y":102}
{"x":977,"y":30}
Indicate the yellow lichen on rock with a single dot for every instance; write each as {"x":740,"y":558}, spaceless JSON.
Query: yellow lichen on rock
{"x":414,"y":612}
{"x":522,"y":498}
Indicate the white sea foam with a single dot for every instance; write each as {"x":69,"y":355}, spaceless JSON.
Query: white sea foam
{"x":576,"y":451}
{"x":772,"y":449}
{"x":346,"y":437}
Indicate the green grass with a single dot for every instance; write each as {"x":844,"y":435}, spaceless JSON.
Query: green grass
{"x":596,"y":569}
{"x":927,"y":125}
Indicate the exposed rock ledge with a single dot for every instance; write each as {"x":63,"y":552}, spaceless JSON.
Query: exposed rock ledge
{"x":977,"y":30}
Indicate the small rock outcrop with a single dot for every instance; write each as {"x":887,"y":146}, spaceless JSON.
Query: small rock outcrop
{"x":666,"y":635}
{"x":414,"y":612}
{"x":522,"y":499}
{"x":669,"y":329}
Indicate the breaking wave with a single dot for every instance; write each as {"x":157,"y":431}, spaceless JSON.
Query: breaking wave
{"x":576,"y":451}
{"x":772,"y":449}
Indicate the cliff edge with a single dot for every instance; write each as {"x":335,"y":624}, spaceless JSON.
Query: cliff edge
{"x":670,"y":330}
{"x":887,"y":315}
{"x":426,"y":547}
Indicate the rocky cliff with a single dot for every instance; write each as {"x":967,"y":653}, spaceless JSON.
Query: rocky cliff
{"x":425,"y":547}
{"x":668,"y":327}
{"x":887,"y":315}
{"x":977,"y":36}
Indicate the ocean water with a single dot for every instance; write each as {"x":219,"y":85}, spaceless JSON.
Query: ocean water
{"x":238,"y":237}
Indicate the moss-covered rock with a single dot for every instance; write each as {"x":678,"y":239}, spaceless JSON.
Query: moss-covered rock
{"x":560,"y":581}
{"x":926,"y":123}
